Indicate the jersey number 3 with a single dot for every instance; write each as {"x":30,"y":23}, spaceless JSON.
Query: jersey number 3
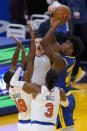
{"x":21,"y":105}
{"x":49,"y":112}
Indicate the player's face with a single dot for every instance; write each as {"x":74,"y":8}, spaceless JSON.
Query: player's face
{"x":67,"y":48}
{"x":38,"y":45}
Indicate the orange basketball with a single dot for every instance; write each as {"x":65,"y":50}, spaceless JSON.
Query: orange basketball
{"x":61,"y":11}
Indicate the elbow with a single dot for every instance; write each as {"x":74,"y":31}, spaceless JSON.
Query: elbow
{"x":26,"y":90}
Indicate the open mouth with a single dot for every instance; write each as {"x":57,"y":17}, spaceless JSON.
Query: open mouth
{"x":38,"y":48}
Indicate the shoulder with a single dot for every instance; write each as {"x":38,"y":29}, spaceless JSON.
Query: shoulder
{"x":56,"y":89}
{"x":43,"y":89}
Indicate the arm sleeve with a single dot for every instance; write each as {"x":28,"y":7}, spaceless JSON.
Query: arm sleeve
{"x":15,"y":79}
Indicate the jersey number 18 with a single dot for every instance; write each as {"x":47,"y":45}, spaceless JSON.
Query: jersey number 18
{"x":21,"y":105}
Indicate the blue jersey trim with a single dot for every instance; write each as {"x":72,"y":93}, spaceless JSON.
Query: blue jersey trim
{"x":24,"y":121}
{"x":42,"y":123}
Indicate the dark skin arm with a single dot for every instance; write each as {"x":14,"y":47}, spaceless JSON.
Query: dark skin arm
{"x":53,"y":56}
{"x":15,"y":55}
{"x":31,"y":55}
{"x":52,"y":40}
{"x":63,"y":97}
{"x":59,"y":63}
{"x":28,"y":87}
{"x":31,"y":88}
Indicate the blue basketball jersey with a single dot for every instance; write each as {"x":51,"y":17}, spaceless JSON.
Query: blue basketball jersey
{"x":64,"y":76}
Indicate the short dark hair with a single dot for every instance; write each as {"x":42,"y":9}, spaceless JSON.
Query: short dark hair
{"x":51,"y":78}
{"x":77,"y":45}
{"x":7,"y":76}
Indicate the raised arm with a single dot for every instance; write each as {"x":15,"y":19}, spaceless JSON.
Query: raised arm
{"x":49,"y":38}
{"x":53,"y":56}
{"x":32,"y":43}
{"x":29,"y":88}
{"x":15,"y":79}
{"x":59,"y":63}
{"x":31,"y":55}
{"x":15,"y":55}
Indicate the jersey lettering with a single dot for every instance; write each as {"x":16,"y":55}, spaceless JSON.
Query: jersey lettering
{"x":68,"y":78}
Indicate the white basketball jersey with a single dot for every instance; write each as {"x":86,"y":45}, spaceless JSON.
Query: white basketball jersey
{"x":45,"y":106}
{"x":41,"y":66}
{"x":23,"y":102}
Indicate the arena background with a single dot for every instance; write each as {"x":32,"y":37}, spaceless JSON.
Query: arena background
{"x":7,"y":48}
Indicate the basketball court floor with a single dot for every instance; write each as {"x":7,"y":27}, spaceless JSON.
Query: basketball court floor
{"x":9,"y":122}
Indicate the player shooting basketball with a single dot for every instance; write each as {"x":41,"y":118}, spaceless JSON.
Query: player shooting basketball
{"x":64,"y":58}
{"x":46,"y":98}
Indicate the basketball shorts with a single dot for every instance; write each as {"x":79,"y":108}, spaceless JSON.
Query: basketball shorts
{"x":65,"y":114}
{"x":24,"y":125}
{"x":42,"y":126}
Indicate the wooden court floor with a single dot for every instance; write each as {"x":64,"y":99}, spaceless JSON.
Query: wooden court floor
{"x":9,"y":122}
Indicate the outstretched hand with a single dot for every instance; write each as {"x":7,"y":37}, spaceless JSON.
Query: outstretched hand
{"x":60,"y":22}
{"x":32,"y":34}
{"x":64,"y":19}
{"x":17,"y":41}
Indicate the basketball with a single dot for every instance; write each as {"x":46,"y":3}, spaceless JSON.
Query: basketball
{"x":61,"y":11}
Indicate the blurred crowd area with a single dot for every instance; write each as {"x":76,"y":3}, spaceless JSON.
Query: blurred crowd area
{"x":37,"y":12}
{"x":22,"y":10}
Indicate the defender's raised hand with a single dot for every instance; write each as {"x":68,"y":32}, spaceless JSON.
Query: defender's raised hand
{"x":17,"y":41}
{"x":32,"y":34}
{"x":16,"y":54}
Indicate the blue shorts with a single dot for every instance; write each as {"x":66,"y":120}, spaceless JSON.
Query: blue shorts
{"x":65,"y":114}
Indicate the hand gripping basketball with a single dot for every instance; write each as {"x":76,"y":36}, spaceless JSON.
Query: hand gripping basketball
{"x":62,"y":11}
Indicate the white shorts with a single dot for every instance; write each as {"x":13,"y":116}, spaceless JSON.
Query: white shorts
{"x":24,"y":126}
{"x":38,"y":127}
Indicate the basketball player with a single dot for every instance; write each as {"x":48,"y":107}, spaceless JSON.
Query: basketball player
{"x":14,"y":60}
{"x":46,"y":100}
{"x":64,"y":58}
{"x":41,"y":62}
{"x":22,"y":99}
